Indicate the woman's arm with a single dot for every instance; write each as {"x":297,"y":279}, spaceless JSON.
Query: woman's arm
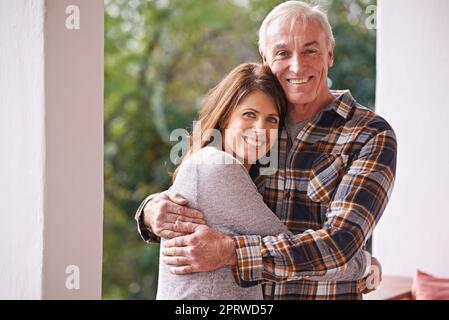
{"x":215,"y":183}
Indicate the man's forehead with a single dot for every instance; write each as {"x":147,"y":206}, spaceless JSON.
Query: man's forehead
{"x":299,"y":31}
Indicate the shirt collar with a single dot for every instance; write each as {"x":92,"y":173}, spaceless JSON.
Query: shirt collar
{"x":343,"y":103}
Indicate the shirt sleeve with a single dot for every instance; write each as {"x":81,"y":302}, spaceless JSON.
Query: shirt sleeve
{"x":356,"y":207}
{"x":145,"y":232}
{"x":356,"y":269}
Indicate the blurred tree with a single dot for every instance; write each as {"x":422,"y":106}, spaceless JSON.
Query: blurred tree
{"x":161,"y":58}
{"x":355,"y":51}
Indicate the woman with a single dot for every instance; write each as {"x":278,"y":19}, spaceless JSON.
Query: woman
{"x":241,"y":116}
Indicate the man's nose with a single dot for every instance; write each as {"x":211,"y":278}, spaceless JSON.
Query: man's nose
{"x":295,"y":63}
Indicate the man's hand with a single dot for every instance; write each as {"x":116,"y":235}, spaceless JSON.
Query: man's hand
{"x":374,"y":278}
{"x":205,"y":249}
{"x":162,"y":212}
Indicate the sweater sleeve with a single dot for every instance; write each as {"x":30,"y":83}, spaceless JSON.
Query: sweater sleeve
{"x":229,"y":198}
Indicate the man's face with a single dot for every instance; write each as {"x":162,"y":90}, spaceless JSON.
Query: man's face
{"x":299,"y":57}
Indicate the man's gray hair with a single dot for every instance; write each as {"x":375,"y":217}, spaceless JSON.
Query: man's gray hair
{"x":296,"y":10}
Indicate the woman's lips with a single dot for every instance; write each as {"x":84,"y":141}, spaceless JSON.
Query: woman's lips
{"x":256,"y":142}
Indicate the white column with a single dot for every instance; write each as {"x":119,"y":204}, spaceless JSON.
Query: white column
{"x":22,"y":148}
{"x":413,"y":95}
{"x":51,"y":161}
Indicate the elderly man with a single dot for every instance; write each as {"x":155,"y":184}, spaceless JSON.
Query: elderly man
{"x":337,"y":164}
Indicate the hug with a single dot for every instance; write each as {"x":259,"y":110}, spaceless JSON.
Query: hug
{"x":230,"y":229}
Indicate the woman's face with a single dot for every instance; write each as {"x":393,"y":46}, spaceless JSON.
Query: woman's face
{"x":252,"y":128}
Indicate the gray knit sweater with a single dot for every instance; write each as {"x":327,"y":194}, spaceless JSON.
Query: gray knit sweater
{"x":217,"y":184}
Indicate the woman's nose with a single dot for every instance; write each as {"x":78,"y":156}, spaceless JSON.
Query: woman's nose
{"x":260,"y":128}
{"x":259,"y":125}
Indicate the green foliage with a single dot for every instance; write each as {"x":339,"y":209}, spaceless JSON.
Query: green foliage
{"x":355,"y":51}
{"x":161,"y":58}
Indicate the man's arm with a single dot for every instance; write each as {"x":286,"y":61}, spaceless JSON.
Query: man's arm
{"x":358,"y":204}
{"x":206,"y":249}
{"x":356,"y":268}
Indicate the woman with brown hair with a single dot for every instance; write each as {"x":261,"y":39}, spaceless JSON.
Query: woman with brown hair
{"x":237,"y":126}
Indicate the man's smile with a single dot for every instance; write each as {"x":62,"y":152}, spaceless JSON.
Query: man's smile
{"x":299,"y":81}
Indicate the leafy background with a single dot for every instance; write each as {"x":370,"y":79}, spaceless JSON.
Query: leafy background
{"x":161,"y":58}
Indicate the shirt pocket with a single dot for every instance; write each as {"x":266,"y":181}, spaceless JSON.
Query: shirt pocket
{"x":325,"y":175}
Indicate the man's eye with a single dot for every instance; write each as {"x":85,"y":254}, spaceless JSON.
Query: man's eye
{"x":282,"y":53}
{"x":310,"y":52}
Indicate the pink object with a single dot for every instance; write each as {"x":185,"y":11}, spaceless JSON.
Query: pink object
{"x":427,"y":287}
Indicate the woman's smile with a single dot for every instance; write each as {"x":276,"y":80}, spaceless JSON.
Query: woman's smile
{"x":255,"y":140}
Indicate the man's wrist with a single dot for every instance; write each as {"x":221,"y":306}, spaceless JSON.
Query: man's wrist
{"x":144,"y":230}
{"x":232,"y":260}
{"x":146,"y":218}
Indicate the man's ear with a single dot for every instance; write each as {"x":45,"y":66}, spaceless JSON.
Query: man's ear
{"x":330,"y":57}
{"x":264,"y":58}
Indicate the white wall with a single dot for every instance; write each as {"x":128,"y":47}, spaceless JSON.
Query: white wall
{"x":413,"y":95}
{"x":22,"y":144}
{"x":51,"y":131}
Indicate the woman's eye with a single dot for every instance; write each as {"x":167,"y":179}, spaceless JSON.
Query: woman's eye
{"x":273,"y":120}
{"x":249,"y":114}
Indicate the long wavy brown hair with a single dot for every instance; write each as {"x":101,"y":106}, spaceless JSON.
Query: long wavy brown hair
{"x":222,"y":100}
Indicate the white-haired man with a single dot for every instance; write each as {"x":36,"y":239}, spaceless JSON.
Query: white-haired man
{"x":337,"y":163}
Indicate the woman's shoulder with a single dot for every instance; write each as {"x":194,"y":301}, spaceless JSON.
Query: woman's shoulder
{"x":213,"y":161}
{"x":220,"y":174}
{"x":212,"y":156}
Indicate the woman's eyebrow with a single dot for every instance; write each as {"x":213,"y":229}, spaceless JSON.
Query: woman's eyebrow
{"x":251,"y":109}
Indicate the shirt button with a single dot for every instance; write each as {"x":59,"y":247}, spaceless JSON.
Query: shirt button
{"x":287,"y":195}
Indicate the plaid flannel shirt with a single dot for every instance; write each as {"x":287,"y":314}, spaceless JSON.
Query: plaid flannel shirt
{"x":330,"y":190}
